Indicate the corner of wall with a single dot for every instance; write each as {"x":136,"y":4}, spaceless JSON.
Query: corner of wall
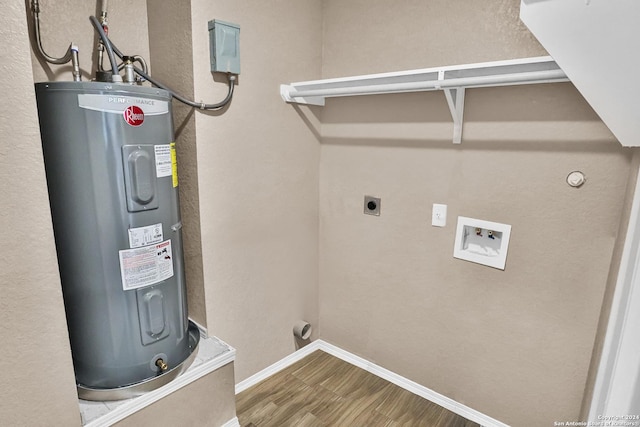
{"x":258,"y":180}
{"x":171,"y":56}
{"x":612,"y":280}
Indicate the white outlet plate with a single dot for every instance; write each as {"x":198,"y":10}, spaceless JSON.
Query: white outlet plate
{"x":439,"y":215}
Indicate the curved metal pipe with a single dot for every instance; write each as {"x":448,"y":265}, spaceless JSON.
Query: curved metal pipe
{"x":143,"y":63}
{"x":35,"y":8}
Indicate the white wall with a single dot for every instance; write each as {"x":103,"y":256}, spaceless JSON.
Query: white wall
{"x":594,"y":51}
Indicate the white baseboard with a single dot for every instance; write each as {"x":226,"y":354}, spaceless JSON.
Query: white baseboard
{"x":277,"y":367}
{"x":392,"y":377}
{"x":232,"y":423}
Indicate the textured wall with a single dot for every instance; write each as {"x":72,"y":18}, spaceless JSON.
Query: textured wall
{"x":371,"y":36}
{"x":611,"y":285}
{"x":38,"y":386}
{"x":514,"y":344}
{"x":172,"y":61}
{"x":258,"y":180}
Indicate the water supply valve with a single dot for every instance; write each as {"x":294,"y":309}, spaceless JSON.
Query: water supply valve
{"x":162,"y":365}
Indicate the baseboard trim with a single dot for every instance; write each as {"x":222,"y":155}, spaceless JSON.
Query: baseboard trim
{"x":400,"y":381}
{"x":232,"y":423}
{"x":277,"y":367}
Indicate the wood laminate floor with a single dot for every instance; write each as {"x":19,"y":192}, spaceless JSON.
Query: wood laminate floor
{"x":322,"y":390}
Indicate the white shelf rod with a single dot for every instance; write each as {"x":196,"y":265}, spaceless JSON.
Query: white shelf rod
{"x":453,"y":80}
{"x":466,"y":82}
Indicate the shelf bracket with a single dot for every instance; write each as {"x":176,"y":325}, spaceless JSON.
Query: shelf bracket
{"x":285,"y":91}
{"x":455,"y":100}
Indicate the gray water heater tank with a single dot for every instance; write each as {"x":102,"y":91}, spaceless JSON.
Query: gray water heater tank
{"x":111,"y":171}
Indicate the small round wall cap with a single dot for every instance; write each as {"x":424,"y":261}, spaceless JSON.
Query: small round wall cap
{"x":576,"y":179}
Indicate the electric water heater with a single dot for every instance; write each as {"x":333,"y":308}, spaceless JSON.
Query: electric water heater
{"x":111,"y":171}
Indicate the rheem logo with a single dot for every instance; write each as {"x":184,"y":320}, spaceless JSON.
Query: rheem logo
{"x":133,"y":115}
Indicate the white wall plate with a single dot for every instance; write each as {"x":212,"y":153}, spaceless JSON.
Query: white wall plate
{"x":482,"y":242}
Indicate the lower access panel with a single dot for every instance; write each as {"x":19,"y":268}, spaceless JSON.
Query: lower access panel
{"x":152,"y":315}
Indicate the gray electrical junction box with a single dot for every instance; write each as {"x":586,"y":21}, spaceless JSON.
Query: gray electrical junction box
{"x":224,"y":45}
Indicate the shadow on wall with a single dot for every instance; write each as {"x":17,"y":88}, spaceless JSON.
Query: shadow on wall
{"x":311,"y":116}
{"x":503,"y":118}
{"x":183,"y":123}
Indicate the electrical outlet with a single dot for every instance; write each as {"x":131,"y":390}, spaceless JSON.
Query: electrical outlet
{"x":439,"y":215}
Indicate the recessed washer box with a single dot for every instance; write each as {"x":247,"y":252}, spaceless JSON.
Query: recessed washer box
{"x":482,"y":242}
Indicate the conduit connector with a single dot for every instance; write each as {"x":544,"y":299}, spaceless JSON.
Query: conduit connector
{"x":129,"y":73}
{"x":162,"y":365}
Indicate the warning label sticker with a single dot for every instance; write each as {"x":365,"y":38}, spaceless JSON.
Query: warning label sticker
{"x":144,"y":236}
{"x":146,"y":266}
{"x":174,"y":164}
{"x":164,"y":160}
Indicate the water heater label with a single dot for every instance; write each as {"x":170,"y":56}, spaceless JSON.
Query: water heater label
{"x":118,"y":104}
{"x":163,"y":160}
{"x":146,"y":266}
{"x":144,"y":236}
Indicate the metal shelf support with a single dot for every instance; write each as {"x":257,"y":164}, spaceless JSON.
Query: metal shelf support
{"x":455,"y":100}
